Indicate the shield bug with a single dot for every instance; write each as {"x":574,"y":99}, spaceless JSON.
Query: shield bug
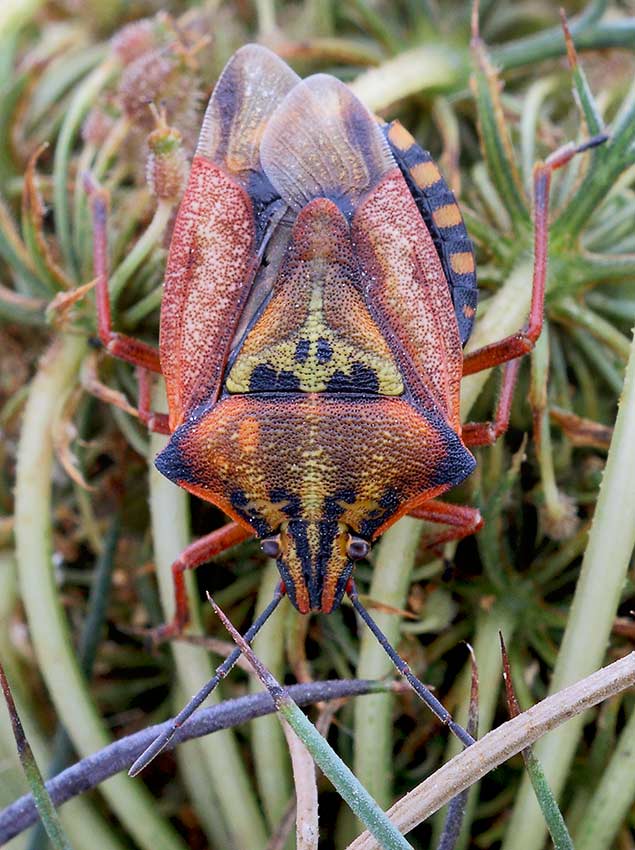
{"x":319,"y":288}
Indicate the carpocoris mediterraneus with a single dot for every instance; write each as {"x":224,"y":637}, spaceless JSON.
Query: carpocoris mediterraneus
{"x":320,"y":286}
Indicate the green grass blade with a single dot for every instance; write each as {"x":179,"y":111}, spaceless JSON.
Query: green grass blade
{"x":343,"y":779}
{"x":458,"y":805}
{"x":45,"y":807}
{"x":597,"y":595}
{"x":502,"y":743}
{"x":495,"y":140}
{"x":83,"y":99}
{"x":613,"y":797}
{"x":373,"y":753}
{"x":547,"y":802}
{"x":270,"y":753}
{"x":48,"y":625}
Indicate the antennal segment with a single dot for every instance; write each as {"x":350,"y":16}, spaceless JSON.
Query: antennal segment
{"x":164,"y":738}
{"x":418,"y":687}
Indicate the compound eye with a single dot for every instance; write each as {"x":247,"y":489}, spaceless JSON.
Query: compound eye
{"x":271,"y":546}
{"x":357,"y":548}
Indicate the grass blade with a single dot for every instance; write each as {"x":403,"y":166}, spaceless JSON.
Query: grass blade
{"x":597,"y":596}
{"x":502,"y":743}
{"x":43,"y":802}
{"x":456,"y":809}
{"x":347,"y":785}
{"x":119,"y":755}
{"x":547,"y":802}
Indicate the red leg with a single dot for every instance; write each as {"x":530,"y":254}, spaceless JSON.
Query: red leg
{"x":462,"y":520}
{"x":193,"y":556}
{"x":125,"y":347}
{"x":157,"y":422}
{"x":523,"y":341}
{"x":486,"y":433}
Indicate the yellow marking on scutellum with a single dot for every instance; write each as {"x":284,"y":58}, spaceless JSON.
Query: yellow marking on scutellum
{"x":447,"y":216}
{"x":312,"y":374}
{"x":400,"y":137}
{"x":425,"y":174}
{"x":462,"y":262}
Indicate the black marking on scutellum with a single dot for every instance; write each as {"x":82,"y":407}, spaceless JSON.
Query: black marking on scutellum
{"x":361,"y":379}
{"x":265,"y":379}
{"x":302,"y":350}
{"x":324,"y":350}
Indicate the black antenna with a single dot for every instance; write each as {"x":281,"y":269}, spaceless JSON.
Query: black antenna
{"x":418,"y":687}
{"x":164,"y":738}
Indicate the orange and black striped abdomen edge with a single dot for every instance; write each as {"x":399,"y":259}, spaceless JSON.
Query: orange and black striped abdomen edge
{"x":442,"y":216}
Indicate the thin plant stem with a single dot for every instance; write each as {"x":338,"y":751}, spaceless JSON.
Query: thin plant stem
{"x":85,"y":827}
{"x":87,"y":649}
{"x":193,"y":769}
{"x":609,"y":805}
{"x":502,"y":743}
{"x":48,"y":627}
{"x":82,"y":101}
{"x":489,"y":624}
{"x":152,"y":235}
{"x":550,"y":44}
{"x":306,"y":791}
{"x":271,"y":757}
{"x":119,"y":755}
{"x":604,"y":566}
{"x":412,"y":71}
{"x":46,"y":810}
{"x":224,"y":765}
{"x":266,"y":15}
{"x":548,"y":805}
{"x":343,"y":779}
{"x":571,"y":310}
{"x":373,"y":760}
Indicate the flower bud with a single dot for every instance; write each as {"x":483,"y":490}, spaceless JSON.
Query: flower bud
{"x":166,"y":167}
{"x":134,"y":40}
{"x":97,"y":125}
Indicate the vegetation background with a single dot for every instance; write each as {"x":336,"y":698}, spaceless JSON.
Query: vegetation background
{"x":88,"y":529}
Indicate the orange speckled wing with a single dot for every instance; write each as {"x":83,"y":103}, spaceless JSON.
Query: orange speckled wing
{"x":322,"y":142}
{"x":226,"y":216}
{"x":408,"y":293}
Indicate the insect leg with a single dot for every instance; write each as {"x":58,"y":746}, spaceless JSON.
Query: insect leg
{"x":193,"y":556}
{"x":119,"y":345}
{"x":418,"y":687}
{"x":463,"y":521}
{"x":524,"y":340}
{"x":486,"y":433}
{"x":164,"y":739}
{"x":157,"y":422}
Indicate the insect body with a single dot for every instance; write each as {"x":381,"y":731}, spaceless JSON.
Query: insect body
{"x":319,"y":287}
{"x":334,"y":409}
